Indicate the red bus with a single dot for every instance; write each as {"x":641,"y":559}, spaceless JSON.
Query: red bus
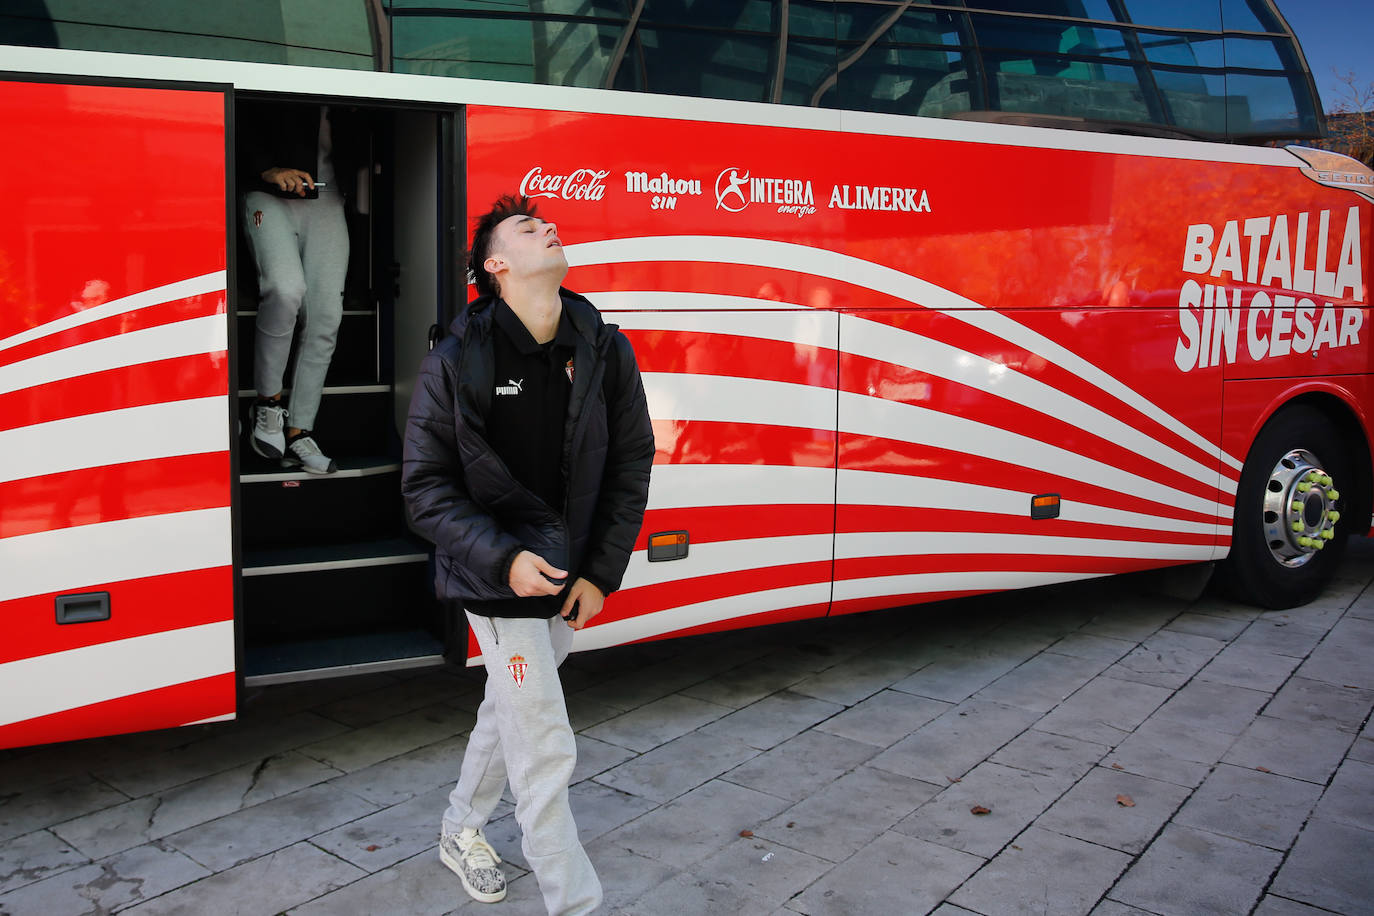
{"x":890,"y":360}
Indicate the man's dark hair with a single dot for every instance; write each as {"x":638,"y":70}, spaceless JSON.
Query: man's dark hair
{"x":505,"y":207}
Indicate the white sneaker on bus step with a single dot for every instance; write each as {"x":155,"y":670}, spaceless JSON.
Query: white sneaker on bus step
{"x":302,"y":452}
{"x":269,"y":429}
{"x":469,"y":856}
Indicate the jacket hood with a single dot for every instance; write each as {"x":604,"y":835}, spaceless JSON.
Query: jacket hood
{"x":585,"y":318}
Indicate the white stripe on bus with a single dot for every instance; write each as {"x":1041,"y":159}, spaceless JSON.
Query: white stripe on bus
{"x":862,"y":545}
{"x":76,"y":558}
{"x":725,"y":399}
{"x":689,"y":486}
{"x":717,"y":557}
{"x":872,"y":416}
{"x":209,"y":334}
{"x":73,"y":678}
{"x":881,"y":488}
{"x":880,"y":341}
{"x":182,"y":289}
{"x":933,"y":582}
{"x":835,"y":265}
{"x":804,"y":328}
{"x":190,"y":427}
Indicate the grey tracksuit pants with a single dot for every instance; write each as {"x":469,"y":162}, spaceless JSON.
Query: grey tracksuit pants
{"x":301,"y":249}
{"x":522,"y":732}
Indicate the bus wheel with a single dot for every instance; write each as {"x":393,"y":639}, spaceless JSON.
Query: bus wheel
{"x":1286,"y":539}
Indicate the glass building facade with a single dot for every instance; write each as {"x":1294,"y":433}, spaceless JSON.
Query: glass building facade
{"x":1216,"y":69}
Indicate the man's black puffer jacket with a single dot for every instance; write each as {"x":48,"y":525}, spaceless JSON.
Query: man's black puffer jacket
{"x":460,"y":494}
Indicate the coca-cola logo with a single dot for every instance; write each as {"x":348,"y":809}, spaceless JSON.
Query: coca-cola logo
{"x":582,"y":184}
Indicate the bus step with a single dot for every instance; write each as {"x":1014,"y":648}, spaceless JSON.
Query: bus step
{"x":331,"y":557}
{"x":287,"y":507}
{"x":341,"y":656}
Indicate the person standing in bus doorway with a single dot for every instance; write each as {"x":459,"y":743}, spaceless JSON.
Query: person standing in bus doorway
{"x":527,"y":457}
{"x":297,"y":163}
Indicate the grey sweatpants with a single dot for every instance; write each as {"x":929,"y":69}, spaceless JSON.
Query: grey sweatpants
{"x":522,"y":732}
{"x":301,"y":249}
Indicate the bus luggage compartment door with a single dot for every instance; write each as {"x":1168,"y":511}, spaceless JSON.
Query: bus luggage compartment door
{"x":116,"y":533}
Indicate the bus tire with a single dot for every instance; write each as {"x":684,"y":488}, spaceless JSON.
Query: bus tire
{"x":1287,"y":538}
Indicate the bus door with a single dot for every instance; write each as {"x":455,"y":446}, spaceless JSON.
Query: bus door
{"x":117,"y":584}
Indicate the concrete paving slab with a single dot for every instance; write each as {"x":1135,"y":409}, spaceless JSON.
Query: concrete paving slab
{"x":1043,"y":682}
{"x":1350,"y":797}
{"x":1244,"y":804}
{"x":753,"y":681}
{"x":392,"y":781}
{"x":799,"y":766}
{"x":1104,"y":711}
{"x":1282,"y":637}
{"x":855,"y":679}
{"x":1224,"y":627}
{"x":893,"y":874}
{"x":594,"y":758}
{"x":1091,"y":810}
{"x":45,"y":805}
{"x":1064,"y":758}
{"x":267,"y":827}
{"x":418,"y":886}
{"x":381,"y":839}
{"x":368,"y":707}
{"x":772,"y":720}
{"x":953,"y":743}
{"x":1342,"y":658}
{"x":677,"y":766}
{"x":625,"y":876}
{"x":1160,"y":749}
{"x":1187,"y":871}
{"x":750,"y":875}
{"x":1094,"y":648}
{"x":1130,"y":617}
{"x":884,"y":718}
{"x":599,"y":809}
{"x":1167,"y":659}
{"x":657,"y":722}
{"x":362,"y":747}
{"x":228,"y":746}
{"x":1218,"y":707}
{"x":847,"y":814}
{"x":1301,"y":750}
{"x":1271,"y":905}
{"x":1362,"y":750}
{"x":697,"y":824}
{"x":584,"y":712}
{"x":1109,"y":907}
{"x":1328,"y":868}
{"x":33,"y":857}
{"x":961,"y":673}
{"x":1013,"y":799}
{"x":111,"y":884}
{"x":1042,"y":873}
{"x":1249,"y":666}
{"x":134,"y":823}
{"x":1306,"y":700}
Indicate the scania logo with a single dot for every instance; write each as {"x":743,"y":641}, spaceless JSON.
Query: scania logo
{"x":729,"y":193}
{"x":582,"y":184}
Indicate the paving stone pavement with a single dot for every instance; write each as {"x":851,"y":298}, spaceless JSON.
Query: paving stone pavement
{"x":1131,"y":753}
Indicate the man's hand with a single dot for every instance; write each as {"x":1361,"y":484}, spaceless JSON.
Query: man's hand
{"x":290,"y":180}
{"x":585,"y":600}
{"x":527,"y":576}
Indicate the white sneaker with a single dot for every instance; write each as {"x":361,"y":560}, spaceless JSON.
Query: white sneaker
{"x":302,"y":452}
{"x":269,"y":430}
{"x":469,"y":856}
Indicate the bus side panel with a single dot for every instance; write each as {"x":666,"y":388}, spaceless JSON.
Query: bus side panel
{"x":1011,"y":323}
{"x":116,"y":557}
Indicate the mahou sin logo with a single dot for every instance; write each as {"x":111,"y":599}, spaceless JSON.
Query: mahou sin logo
{"x":582,"y":184}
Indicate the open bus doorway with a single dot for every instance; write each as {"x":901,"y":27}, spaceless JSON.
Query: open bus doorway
{"x":334,"y":583}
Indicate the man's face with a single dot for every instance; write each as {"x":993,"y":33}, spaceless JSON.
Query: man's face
{"x":525,"y":247}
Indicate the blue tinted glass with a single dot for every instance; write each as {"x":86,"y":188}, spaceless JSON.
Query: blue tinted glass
{"x":811,"y":19}
{"x":1196,"y":101}
{"x":1248,"y":16}
{"x":809,"y":73}
{"x":746,"y":15}
{"x":1098,"y":92}
{"x":1177,"y":14}
{"x":915,"y":81}
{"x":1268,"y":104}
{"x":1253,"y":53}
{"x":1041,"y":37}
{"x":707,"y":64}
{"x":1182,"y":50}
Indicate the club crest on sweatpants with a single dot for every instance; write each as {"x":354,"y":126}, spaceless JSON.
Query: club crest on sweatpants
{"x":517,"y":667}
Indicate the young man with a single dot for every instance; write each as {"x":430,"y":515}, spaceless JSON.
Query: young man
{"x":297,"y":164}
{"x":527,"y":460}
